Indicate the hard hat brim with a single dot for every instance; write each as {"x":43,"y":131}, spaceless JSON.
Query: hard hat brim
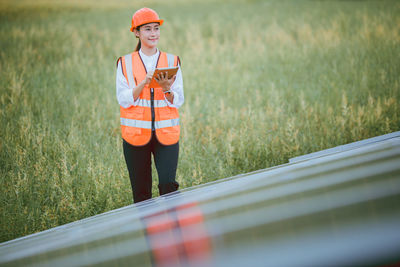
{"x":161,"y":21}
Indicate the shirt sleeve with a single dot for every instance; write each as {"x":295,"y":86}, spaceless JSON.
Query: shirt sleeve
{"x":124,"y":93}
{"x":177,"y":89}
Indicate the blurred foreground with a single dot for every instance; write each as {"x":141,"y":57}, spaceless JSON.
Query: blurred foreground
{"x":338,"y":208}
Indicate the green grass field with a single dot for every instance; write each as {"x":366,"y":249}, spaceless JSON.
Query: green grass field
{"x":264,"y":81}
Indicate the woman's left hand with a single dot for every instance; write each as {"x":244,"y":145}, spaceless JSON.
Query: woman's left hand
{"x":164,"y":82}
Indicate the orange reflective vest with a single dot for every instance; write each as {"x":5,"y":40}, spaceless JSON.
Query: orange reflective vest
{"x":152,"y":113}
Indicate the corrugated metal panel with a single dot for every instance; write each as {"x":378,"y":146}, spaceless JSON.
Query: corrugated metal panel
{"x":341,"y":209}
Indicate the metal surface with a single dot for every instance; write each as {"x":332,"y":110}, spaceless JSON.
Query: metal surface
{"x":341,"y":209}
{"x":346,"y":147}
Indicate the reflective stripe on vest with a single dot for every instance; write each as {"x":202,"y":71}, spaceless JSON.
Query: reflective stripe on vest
{"x":129,"y":73}
{"x":171,"y":60}
{"x":147,"y":103}
{"x":136,"y":123}
{"x":147,"y":124}
{"x":166,"y":123}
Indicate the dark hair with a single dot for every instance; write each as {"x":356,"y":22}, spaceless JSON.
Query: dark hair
{"x":139,"y":44}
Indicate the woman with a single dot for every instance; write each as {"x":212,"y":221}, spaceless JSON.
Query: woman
{"x":149,"y":116}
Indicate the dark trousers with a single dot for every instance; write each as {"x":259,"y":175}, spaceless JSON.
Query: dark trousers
{"x":138,"y":161}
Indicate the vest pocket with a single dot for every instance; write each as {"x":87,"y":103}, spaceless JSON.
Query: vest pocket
{"x":170,"y":130}
{"x":132,"y":131}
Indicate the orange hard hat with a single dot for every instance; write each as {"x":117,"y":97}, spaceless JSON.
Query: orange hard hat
{"x":143,"y":16}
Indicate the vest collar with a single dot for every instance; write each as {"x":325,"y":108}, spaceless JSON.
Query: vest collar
{"x":158,"y":54}
{"x":151,"y":61}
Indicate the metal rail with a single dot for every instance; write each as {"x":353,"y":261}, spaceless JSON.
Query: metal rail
{"x":346,"y":147}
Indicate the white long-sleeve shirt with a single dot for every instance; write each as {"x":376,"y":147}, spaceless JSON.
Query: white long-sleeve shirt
{"x":125,"y":94}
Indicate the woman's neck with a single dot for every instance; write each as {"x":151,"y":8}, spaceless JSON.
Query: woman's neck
{"x":149,"y":51}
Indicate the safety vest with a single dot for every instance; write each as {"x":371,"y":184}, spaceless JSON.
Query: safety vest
{"x":152,"y":113}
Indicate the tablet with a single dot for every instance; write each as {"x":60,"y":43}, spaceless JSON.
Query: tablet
{"x":171,"y":72}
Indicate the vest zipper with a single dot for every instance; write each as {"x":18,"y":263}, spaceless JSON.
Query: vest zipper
{"x":153,"y":115}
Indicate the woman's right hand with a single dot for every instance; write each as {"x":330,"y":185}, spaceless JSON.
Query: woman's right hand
{"x":149,"y":75}
{"x":138,"y":89}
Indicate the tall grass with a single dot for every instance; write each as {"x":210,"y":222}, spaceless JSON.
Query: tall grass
{"x":264,"y":81}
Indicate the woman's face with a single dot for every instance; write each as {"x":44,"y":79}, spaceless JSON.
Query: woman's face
{"x":149,"y":34}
